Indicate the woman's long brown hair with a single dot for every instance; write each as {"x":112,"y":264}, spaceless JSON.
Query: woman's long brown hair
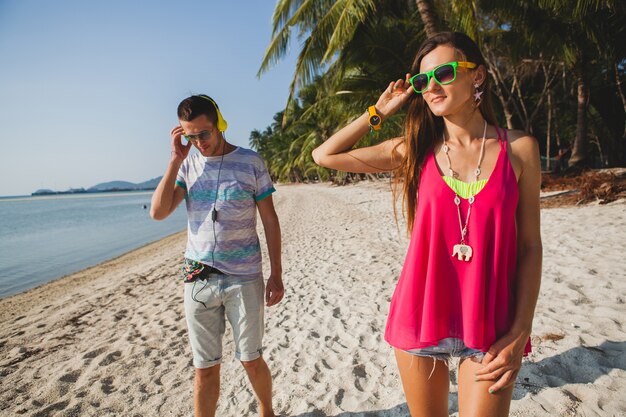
{"x":422,"y":127}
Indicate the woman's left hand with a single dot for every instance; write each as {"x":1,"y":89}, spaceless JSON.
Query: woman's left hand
{"x":503,"y":361}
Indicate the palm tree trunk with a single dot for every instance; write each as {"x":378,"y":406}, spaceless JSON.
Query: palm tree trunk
{"x":426,"y":9}
{"x":548,"y":133}
{"x":618,"y":82}
{"x":579,"y":152}
{"x":618,"y":156}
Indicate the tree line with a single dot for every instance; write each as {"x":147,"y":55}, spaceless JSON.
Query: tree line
{"x":557,"y":68}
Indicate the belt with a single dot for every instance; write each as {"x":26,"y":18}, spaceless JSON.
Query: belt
{"x":197,"y":271}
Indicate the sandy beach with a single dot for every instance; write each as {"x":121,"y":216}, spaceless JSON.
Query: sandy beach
{"x":111,"y":340}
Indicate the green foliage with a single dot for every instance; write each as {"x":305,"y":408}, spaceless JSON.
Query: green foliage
{"x":539,"y":52}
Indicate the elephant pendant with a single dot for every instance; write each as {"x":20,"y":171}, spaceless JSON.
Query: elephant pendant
{"x":462,"y":251}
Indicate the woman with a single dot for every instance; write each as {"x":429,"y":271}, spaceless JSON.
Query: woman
{"x":471,"y":277}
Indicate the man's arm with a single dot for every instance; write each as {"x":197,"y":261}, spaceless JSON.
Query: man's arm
{"x":274,"y":290}
{"x":167,"y":195}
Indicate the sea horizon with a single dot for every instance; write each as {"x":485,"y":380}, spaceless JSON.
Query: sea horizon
{"x":77,"y":195}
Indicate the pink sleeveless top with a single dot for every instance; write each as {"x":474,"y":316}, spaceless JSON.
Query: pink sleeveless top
{"x":439,"y":296}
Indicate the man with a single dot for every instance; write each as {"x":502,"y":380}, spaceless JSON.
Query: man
{"x":223,"y":187}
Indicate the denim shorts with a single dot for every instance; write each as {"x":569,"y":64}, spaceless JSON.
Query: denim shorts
{"x":447,"y":349}
{"x":209,"y":302}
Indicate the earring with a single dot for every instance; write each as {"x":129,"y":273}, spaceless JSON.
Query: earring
{"x":477,"y":93}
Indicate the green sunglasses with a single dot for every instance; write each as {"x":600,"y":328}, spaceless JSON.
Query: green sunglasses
{"x":200,"y":137}
{"x":443,"y":74}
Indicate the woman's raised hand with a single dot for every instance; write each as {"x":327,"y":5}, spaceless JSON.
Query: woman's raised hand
{"x":394,"y":97}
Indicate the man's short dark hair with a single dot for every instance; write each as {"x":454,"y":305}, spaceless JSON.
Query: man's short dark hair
{"x":195,"y":106}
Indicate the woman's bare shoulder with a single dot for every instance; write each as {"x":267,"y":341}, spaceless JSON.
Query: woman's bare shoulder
{"x":522,"y":145}
{"x":523,"y":151}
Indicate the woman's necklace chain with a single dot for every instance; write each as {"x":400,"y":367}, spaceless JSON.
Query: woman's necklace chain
{"x":463,"y":251}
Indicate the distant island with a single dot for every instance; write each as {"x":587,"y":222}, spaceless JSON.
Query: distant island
{"x":106,"y":187}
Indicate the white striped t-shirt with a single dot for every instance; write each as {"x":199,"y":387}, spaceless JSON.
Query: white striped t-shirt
{"x":244,"y":180}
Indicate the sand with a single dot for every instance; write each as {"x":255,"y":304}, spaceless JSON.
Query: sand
{"x":111,"y":340}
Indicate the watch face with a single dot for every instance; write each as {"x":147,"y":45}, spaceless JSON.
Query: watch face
{"x":374,"y":120}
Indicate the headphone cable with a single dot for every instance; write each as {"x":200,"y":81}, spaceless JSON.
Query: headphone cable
{"x":214,"y":211}
{"x":194,"y":294}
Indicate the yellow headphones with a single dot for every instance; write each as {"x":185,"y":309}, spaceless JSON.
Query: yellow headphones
{"x":221,"y":123}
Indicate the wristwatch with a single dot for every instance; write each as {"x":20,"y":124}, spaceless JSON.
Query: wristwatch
{"x":374,"y":120}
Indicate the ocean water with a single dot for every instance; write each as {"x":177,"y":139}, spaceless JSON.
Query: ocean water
{"x":44,"y":238}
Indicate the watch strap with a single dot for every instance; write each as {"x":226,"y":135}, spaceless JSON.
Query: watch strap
{"x":372,"y":112}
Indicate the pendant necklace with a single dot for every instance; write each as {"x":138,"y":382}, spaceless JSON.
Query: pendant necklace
{"x":462,"y":250}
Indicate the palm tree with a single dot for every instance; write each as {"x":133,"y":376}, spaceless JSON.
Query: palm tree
{"x":382,"y":48}
{"x":325,"y":27}
{"x":427,"y":12}
{"x":571,"y":31}
{"x":351,"y":49}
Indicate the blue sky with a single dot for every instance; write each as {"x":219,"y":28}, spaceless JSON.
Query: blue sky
{"x":89,"y":89}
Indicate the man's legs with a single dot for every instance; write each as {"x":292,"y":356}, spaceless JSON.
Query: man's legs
{"x":244,"y":309}
{"x":261,"y":380}
{"x":206,"y":391}
{"x":205,"y":324}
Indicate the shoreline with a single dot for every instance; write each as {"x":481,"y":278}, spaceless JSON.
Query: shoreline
{"x":85,"y":271}
{"x":84,"y":276}
{"x":549,"y":199}
{"x":112,"y":340}
{"x":99,"y":263}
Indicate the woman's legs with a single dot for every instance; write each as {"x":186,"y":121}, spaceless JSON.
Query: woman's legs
{"x":426,"y":397}
{"x":474,"y":397}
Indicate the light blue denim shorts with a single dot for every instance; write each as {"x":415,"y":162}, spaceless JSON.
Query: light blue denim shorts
{"x":209,"y":303}
{"x":447,"y":349}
